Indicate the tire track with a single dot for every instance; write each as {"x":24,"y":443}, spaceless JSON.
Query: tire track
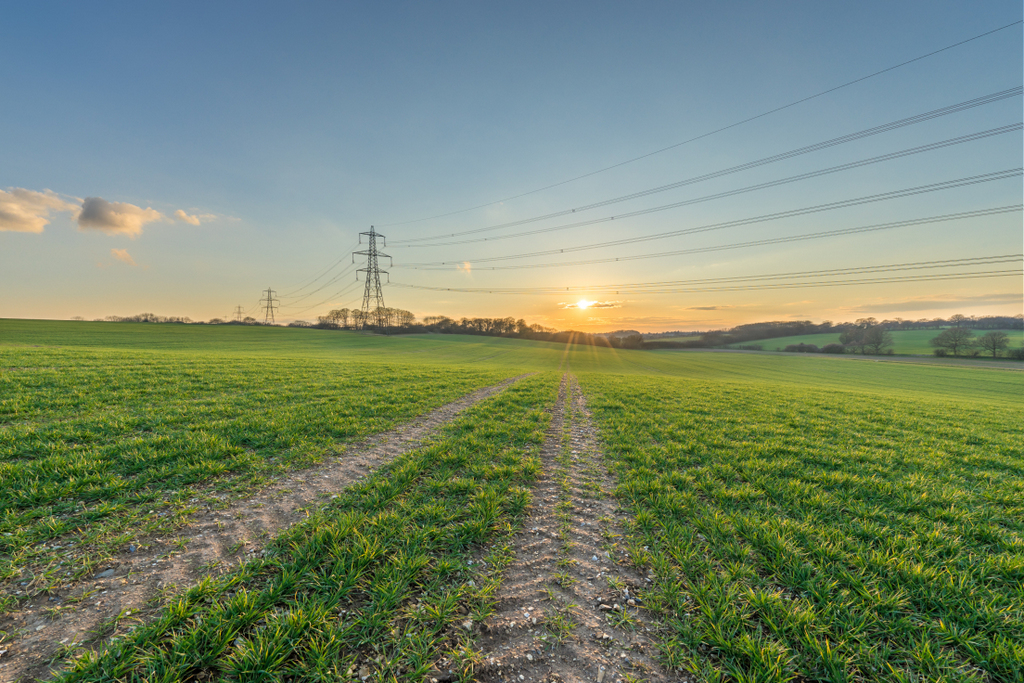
{"x":570,"y":608}
{"x":38,"y":637}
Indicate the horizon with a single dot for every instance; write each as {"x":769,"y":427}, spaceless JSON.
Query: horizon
{"x":250,"y":321}
{"x":181,"y":159}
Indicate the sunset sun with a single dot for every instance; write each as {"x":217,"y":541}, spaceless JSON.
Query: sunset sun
{"x":583,"y":304}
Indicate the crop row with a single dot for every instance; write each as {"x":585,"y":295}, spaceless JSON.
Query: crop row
{"x":378,"y":583}
{"x":823,"y":536}
{"x":100,"y":448}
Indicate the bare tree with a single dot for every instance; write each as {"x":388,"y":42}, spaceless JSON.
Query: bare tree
{"x":876,"y":340}
{"x":853,"y":338}
{"x":994,"y":342}
{"x":954,"y":339}
{"x":958,"y":319}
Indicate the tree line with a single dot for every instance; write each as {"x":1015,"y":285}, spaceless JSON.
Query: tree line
{"x":960,"y":341}
{"x":865,"y":335}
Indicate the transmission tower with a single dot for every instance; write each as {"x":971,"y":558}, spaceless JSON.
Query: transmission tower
{"x":269,"y":304}
{"x":238,"y":314}
{"x":374,"y":314}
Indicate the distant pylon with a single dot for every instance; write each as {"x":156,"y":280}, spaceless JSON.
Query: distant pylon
{"x":374,"y":312}
{"x":238,"y":314}
{"x":269,"y":304}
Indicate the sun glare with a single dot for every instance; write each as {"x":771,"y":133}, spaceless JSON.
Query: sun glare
{"x":583,"y":304}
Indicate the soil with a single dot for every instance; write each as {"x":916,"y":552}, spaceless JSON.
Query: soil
{"x":570,"y":607}
{"x":52,"y":626}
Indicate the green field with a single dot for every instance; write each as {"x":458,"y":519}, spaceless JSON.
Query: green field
{"x":820,"y":534}
{"x":905,"y":342}
{"x":802,"y":517}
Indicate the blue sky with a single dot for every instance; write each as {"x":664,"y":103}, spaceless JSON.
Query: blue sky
{"x":283,"y":130}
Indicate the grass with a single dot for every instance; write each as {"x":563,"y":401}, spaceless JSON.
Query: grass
{"x":374,"y":584}
{"x":905,"y":342}
{"x":822,"y":535}
{"x":100,"y":448}
{"x":802,"y":518}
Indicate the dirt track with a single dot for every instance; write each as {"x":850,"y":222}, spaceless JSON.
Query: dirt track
{"x":569,"y":607}
{"x":129,"y":590}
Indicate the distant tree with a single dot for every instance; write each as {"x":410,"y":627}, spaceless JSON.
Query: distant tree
{"x":335,"y":318}
{"x":77,"y":317}
{"x":833,"y":348}
{"x":955,"y":340}
{"x":994,"y":342}
{"x":249,"y":320}
{"x":631,"y":341}
{"x":405,"y":318}
{"x":216,"y":321}
{"x":958,"y":320}
{"x":853,"y":338}
{"x":876,"y":340}
{"x":341,"y":316}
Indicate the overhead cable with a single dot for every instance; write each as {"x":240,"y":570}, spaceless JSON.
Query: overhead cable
{"x":337,"y":294}
{"x":750,"y":188}
{"x":329,"y":269}
{"x":1010,"y":208}
{"x":807,"y":149}
{"x":716,"y":131}
{"x":346,"y":271}
{"x":742,"y":281}
{"x":829,"y":206}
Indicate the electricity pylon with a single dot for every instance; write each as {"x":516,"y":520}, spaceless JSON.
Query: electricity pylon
{"x":374,"y":313}
{"x":238,"y":314}
{"x":269,"y":305}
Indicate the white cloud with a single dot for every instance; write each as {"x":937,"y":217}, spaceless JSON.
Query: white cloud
{"x":115,"y":218}
{"x":194,"y":219}
{"x":123,"y":256}
{"x":24,"y":210}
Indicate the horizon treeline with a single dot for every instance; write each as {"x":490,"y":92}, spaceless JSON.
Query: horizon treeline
{"x":404,"y":322}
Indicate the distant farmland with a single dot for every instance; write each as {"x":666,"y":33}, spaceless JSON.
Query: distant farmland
{"x":770,"y":517}
{"x":909,"y":342}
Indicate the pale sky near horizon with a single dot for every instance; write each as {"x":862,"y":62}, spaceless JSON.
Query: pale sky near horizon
{"x":178,"y":158}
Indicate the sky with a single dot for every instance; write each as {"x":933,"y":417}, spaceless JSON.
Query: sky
{"x":180,"y":158}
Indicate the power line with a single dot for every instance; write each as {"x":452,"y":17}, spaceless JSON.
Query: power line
{"x":752,"y":188}
{"x":239,"y":313}
{"x":343,"y":273}
{"x":745,"y":288}
{"x":345,"y":290}
{"x":754,"y":243}
{"x":829,"y":206}
{"x":716,"y":131}
{"x":329,"y":269}
{"x":744,"y":281}
{"x":807,"y":149}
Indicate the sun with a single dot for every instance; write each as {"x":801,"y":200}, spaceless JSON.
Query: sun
{"x":583,"y":304}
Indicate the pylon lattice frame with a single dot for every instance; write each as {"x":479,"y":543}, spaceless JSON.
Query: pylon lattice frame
{"x":374,"y":311}
{"x":269,"y":305}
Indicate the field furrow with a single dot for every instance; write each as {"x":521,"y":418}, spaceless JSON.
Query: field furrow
{"x":377,"y":584}
{"x":839,"y":536}
{"x":226,"y":533}
{"x":568,"y":609}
